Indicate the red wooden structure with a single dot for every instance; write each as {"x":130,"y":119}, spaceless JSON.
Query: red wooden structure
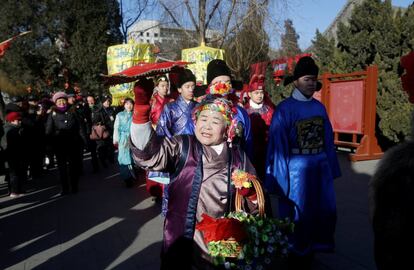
{"x":350,"y":100}
{"x":279,"y":65}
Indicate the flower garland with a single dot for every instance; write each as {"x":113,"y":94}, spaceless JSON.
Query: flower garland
{"x":266,"y":240}
{"x":241,"y":240}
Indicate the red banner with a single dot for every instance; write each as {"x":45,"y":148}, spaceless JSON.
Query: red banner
{"x":346,"y":102}
{"x":6,"y":44}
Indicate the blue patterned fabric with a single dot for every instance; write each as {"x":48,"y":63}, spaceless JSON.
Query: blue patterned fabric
{"x":124,"y":128}
{"x":300,"y":167}
{"x":176,"y":119}
{"x":247,"y":144}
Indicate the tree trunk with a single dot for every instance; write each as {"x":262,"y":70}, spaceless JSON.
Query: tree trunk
{"x":202,"y":22}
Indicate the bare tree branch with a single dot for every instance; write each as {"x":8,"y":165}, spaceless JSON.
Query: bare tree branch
{"x":212,"y":13}
{"x":240,"y":23}
{"x":202,"y":20}
{"x":140,"y":11}
{"x":227,"y":22}
{"x":191,"y":15}
{"x":171,"y":14}
{"x":127,"y":22}
{"x":174,"y":19}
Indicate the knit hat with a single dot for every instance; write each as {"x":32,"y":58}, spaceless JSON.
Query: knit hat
{"x":257,"y":83}
{"x":185,"y":76}
{"x":59,"y":95}
{"x":12,"y":116}
{"x":215,"y":68}
{"x":305,"y":66}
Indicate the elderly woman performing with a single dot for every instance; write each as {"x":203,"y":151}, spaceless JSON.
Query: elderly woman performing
{"x":200,"y":167}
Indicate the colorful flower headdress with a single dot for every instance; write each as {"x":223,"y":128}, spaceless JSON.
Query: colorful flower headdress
{"x":221,"y":105}
{"x":220,"y":88}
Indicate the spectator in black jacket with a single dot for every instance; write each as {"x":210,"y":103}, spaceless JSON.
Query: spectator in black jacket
{"x":89,"y":109}
{"x":13,"y":144}
{"x":35,"y":135}
{"x":103,"y":146}
{"x":110,"y":116}
{"x":68,"y":135}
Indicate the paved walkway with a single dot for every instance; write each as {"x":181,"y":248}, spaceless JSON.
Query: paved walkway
{"x":107,"y":226}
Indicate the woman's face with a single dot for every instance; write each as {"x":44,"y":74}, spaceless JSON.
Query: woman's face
{"x":107,"y":103}
{"x":128,"y":106}
{"x":162,"y":88}
{"x":187,"y":91}
{"x":210,"y":128}
{"x":61,"y":102}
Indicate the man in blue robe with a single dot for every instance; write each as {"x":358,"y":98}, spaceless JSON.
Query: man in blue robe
{"x":175,"y":120}
{"x":301,"y":165}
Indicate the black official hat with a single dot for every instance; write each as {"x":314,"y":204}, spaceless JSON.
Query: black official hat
{"x":305,"y":66}
{"x":215,"y":68}
{"x":184,"y":76}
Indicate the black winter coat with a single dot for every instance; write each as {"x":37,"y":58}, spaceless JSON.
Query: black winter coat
{"x":14,"y":146}
{"x":103,"y":117}
{"x":66,"y":127}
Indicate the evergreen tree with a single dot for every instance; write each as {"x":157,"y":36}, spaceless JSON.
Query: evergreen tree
{"x":326,"y":54}
{"x":93,"y":28}
{"x":68,"y":41}
{"x":407,"y":30}
{"x":290,"y":46}
{"x":373,"y":37}
{"x":277,"y":92}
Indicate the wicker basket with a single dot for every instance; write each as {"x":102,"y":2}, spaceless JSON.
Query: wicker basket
{"x":239,"y":208}
{"x":260,"y":198}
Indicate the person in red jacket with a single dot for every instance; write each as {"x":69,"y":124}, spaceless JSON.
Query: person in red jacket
{"x":260,"y":110}
{"x":159,"y":99}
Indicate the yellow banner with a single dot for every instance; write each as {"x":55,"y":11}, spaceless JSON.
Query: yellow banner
{"x":201,"y":56}
{"x":121,"y":57}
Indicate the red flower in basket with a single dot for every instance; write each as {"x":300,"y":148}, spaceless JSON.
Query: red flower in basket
{"x":221,"y":229}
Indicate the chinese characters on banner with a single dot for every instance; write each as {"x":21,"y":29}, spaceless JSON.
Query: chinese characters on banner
{"x":121,"y":57}
{"x":201,"y":56}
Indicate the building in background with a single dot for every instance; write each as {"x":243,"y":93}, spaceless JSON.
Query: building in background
{"x":169,"y":39}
